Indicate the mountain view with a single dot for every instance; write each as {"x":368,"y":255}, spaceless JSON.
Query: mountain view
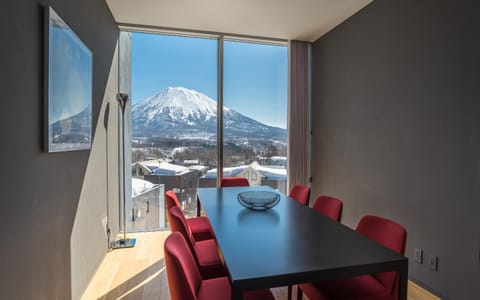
{"x":181,"y":125}
{"x":173,"y":121}
{"x":187,"y":114}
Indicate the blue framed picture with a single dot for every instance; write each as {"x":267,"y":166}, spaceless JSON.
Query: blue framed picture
{"x":67,"y":87}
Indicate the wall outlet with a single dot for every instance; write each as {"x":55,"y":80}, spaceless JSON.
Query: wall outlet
{"x":433,"y":262}
{"x":418,"y":255}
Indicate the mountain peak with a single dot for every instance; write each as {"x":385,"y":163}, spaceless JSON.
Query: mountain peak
{"x":178,"y":110}
{"x":180,"y":100}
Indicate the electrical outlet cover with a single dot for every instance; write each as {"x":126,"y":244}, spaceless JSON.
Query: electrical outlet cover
{"x":418,"y":255}
{"x":433,"y":262}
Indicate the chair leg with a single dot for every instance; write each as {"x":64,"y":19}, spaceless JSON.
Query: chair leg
{"x":299,"y":293}
{"x":289,"y":295}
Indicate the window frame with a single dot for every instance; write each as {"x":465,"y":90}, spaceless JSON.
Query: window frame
{"x":221,"y":38}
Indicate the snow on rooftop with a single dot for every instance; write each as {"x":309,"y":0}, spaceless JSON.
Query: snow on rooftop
{"x":270,"y":172}
{"x":273,"y":172}
{"x":279,"y":160}
{"x":227,"y":172}
{"x":198,"y":167}
{"x":139,"y":186}
{"x":165,"y":168}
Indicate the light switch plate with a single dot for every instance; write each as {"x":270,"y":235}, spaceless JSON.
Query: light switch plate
{"x":418,"y":255}
{"x":433,"y":262}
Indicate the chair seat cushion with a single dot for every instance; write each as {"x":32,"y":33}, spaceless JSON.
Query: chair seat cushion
{"x":209,"y":259}
{"x":364,"y":287}
{"x":200,"y":227}
{"x":219,"y":288}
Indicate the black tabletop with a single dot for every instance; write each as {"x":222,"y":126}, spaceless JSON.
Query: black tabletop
{"x":289,"y":243}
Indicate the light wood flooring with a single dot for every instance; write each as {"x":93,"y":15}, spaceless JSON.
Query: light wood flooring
{"x":139,"y":274}
{"x":132,"y":273}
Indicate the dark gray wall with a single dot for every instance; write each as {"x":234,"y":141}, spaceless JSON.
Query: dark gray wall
{"x":396,"y":129}
{"x":39,"y":191}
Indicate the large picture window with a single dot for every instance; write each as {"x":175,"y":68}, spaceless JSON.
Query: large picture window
{"x":255,"y":113}
{"x":174,"y":116}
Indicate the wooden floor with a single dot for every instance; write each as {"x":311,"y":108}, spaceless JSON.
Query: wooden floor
{"x":132,"y":273}
{"x":139,"y":274}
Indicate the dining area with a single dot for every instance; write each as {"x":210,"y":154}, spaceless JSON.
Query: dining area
{"x":247,"y":240}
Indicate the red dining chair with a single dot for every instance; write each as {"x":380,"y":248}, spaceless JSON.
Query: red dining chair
{"x":382,"y":286}
{"x":185,"y":281}
{"x":205,"y":252}
{"x":234,"y":181}
{"x":200,"y":226}
{"x":301,"y":193}
{"x":329,"y":206}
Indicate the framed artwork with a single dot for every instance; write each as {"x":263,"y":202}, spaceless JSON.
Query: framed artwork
{"x":67,"y":88}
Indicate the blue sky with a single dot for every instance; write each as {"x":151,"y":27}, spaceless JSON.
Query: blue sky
{"x":255,"y":75}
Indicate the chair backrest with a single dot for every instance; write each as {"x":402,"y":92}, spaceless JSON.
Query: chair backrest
{"x":329,"y":206}
{"x":301,"y":193}
{"x":390,"y":235}
{"x":183,"y":275}
{"x":171,"y":199}
{"x":234,"y":181}
{"x":178,"y":223}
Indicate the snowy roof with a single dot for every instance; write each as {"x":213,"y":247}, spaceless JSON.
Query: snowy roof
{"x":191,"y":161}
{"x":270,"y":172}
{"x":279,"y":159}
{"x":150,"y":164}
{"x":199,"y":168}
{"x":161,"y":167}
{"x":165,"y":168}
{"x":273,"y":172}
{"x":139,"y":186}
{"x":227,"y":172}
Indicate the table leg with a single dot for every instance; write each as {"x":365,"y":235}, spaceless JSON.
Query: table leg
{"x":237,"y":293}
{"x":199,"y":207}
{"x":403,"y":282}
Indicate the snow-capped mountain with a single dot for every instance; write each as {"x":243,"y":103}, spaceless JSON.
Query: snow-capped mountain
{"x":177,"y":111}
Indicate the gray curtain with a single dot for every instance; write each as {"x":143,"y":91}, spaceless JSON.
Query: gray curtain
{"x":299,"y":114}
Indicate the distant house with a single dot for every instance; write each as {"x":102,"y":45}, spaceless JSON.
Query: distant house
{"x":274,"y":176}
{"x":141,"y":168}
{"x":253,"y":175}
{"x":183,"y":181}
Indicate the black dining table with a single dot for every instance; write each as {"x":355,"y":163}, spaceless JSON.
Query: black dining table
{"x":290,"y":244}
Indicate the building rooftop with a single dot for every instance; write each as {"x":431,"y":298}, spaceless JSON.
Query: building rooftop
{"x":269,"y":172}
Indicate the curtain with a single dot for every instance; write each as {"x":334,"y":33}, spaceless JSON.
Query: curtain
{"x":299,"y":114}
